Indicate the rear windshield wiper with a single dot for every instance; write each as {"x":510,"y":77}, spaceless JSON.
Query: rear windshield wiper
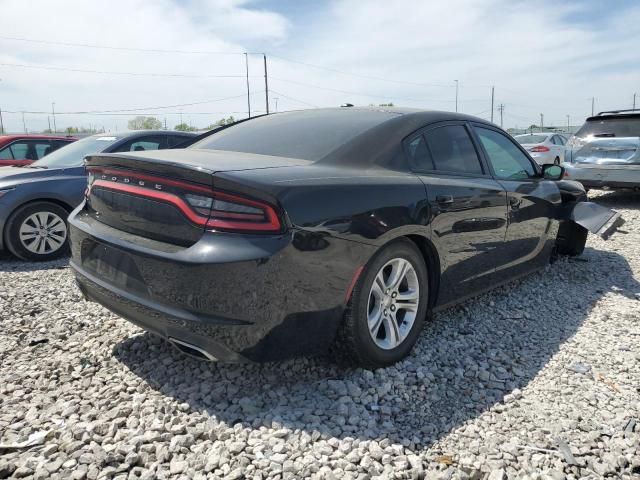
{"x":35,"y":166}
{"x":604,"y":134}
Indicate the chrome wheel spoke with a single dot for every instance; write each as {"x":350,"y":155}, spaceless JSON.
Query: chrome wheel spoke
{"x":375,"y":321}
{"x":43,"y":232}
{"x":391,"y":331}
{"x":394,"y":299}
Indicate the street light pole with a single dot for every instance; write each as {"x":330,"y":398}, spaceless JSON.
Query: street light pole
{"x":53,"y":112}
{"x":456,"y":95}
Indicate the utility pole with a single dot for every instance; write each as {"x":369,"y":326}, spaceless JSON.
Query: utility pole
{"x":568,"y":124}
{"x":1,"y":123}
{"x":456,"y":94}
{"x":266,"y":83}
{"x":49,"y":122}
{"x":634,"y":101}
{"x":180,"y":116}
{"x":53,"y":111}
{"x":501,"y":110}
{"x":276,"y":100}
{"x":541,"y":122}
{"x":165,"y":123}
{"x":492,"y":95}
{"x":246,"y":63}
{"x":24,"y":125}
{"x":593,"y":103}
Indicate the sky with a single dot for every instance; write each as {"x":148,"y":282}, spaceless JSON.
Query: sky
{"x":183,"y":60}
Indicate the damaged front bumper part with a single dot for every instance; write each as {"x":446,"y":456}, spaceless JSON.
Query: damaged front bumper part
{"x":599,"y":220}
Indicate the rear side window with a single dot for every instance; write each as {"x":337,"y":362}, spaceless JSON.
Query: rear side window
{"x":142,"y":144}
{"x":452,"y":150}
{"x":5,"y":154}
{"x":419,"y":156}
{"x":614,"y":127}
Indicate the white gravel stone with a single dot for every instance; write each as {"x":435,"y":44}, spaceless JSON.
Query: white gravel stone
{"x":537,"y":380}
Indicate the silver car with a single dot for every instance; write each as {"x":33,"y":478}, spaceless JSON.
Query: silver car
{"x":544,"y":148}
{"x":605,"y":152}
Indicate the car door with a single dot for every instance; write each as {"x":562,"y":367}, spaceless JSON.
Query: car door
{"x":531,"y":229}
{"x":561,"y":142}
{"x":468,"y":207}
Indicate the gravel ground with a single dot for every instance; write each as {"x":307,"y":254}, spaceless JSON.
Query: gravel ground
{"x":537,"y":380}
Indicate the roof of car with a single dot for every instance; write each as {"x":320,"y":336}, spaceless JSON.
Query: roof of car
{"x":7,"y":138}
{"x":133,"y":133}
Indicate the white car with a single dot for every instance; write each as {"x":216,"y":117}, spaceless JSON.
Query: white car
{"x":544,"y":148}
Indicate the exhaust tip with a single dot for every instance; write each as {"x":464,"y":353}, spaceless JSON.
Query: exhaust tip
{"x":192,"y":350}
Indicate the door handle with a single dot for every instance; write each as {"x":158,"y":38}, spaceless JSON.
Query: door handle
{"x":444,"y":199}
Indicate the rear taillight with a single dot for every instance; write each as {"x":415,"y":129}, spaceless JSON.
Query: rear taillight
{"x":215,"y":210}
{"x":540,"y":148}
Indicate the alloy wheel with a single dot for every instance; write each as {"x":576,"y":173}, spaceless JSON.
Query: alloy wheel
{"x":393,"y":303}
{"x":43,"y":233}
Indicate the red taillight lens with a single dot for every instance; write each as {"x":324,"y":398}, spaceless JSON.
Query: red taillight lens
{"x":203,"y":206}
{"x":540,"y":148}
{"x":231,"y":212}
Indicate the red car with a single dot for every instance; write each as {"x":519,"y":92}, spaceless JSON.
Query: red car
{"x":19,"y":150}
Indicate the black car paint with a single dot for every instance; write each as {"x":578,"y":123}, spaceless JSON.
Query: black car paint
{"x":267,"y":297}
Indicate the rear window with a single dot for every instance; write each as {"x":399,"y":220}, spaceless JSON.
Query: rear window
{"x":526,"y":139}
{"x":614,"y":127}
{"x":308,"y":135}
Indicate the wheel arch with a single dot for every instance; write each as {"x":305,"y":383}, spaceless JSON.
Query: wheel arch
{"x":431,"y":259}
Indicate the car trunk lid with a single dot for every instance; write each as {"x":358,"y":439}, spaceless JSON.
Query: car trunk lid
{"x":174,"y":196}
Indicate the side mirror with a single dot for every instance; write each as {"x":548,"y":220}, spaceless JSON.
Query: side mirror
{"x":552,"y":172}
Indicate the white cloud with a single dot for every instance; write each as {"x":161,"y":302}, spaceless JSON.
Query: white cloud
{"x":539,"y":57}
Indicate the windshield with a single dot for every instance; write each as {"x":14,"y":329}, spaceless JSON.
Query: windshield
{"x":73,"y":154}
{"x":527,"y":139}
{"x":614,"y":127}
{"x":307,"y":135}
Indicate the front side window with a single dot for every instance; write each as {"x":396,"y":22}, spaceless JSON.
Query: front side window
{"x":452,"y":150}
{"x":20,"y":151}
{"x":507,"y":160}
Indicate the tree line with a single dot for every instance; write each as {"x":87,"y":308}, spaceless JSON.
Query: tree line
{"x":152,"y":123}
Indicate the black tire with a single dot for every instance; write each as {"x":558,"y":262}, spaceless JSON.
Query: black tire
{"x":19,"y":248}
{"x":571,"y":239}
{"x":354,"y":343}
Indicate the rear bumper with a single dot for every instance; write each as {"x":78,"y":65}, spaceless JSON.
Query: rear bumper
{"x":258,"y":298}
{"x":611,"y":176}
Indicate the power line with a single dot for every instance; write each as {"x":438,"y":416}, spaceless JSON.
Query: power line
{"x":108,"y":47}
{"x":209,"y":52}
{"x":294,"y":99}
{"x":131,"y":110}
{"x":357,"y":93}
{"x":102,"y":72}
{"x":368,"y":77}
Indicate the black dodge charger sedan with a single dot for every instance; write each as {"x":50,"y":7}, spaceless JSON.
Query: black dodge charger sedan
{"x":286,"y":234}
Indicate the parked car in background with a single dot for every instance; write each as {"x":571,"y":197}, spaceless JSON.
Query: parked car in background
{"x":544,"y":148}
{"x":277,"y":235}
{"x":16,"y":150}
{"x":35,"y":200}
{"x":605,"y":152}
